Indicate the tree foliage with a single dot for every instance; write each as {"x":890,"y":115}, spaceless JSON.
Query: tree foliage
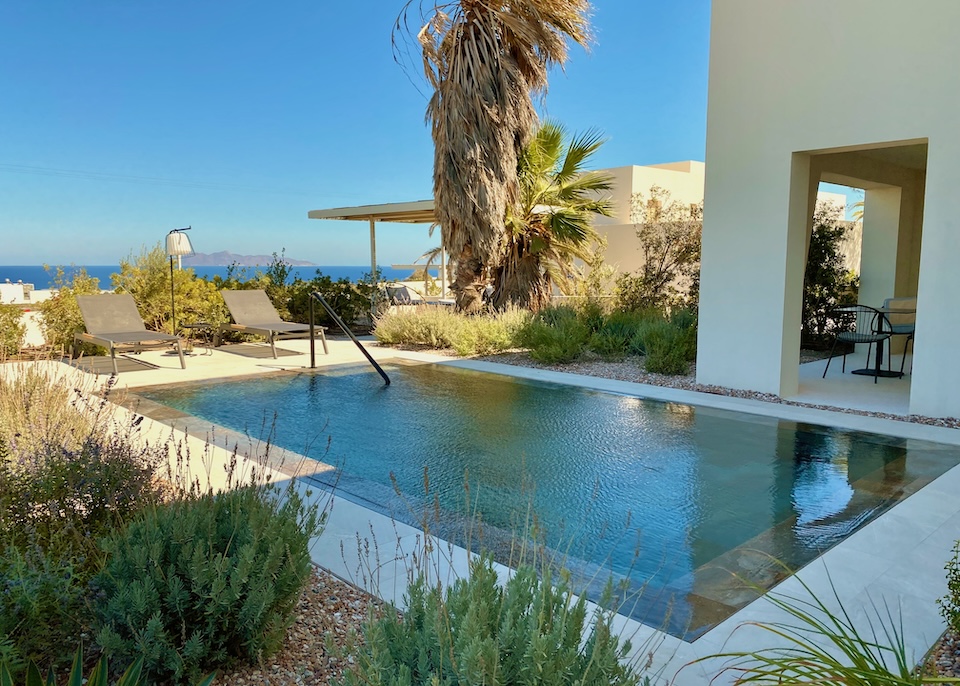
{"x":60,"y":315}
{"x":12,"y":330}
{"x":484,"y":62}
{"x":669,"y":232}
{"x":146,"y":276}
{"x":826,"y":281}
{"x":552,"y":225}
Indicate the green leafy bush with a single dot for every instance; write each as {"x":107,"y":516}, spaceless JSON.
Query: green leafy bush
{"x":202,"y":582}
{"x":40,"y":409}
{"x":558,"y":315}
{"x":146,"y":276}
{"x":477,"y":632}
{"x":481,"y":336}
{"x":490,"y":334}
{"x":352,"y":301}
{"x":591,"y":312}
{"x":826,"y":281}
{"x":442,"y":327}
{"x":41,"y":601}
{"x":12,"y":330}
{"x":950,"y":603}
{"x":614,"y":335}
{"x":670,"y":349}
{"x":73,"y":469}
{"x":556,"y":339}
{"x":60,"y":315}
{"x":668,"y":344}
{"x":98,"y":676}
{"x":63,"y":500}
{"x":434,"y":327}
{"x":70,"y":472}
{"x":669,"y":233}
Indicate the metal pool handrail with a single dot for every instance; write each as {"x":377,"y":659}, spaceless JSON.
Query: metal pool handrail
{"x":346,"y":329}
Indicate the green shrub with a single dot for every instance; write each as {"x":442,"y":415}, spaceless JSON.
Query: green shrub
{"x":41,"y":601}
{"x":557,"y":315}
{"x":481,"y":336}
{"x":12,"y":330}
{"x":950,"y":603}
{"x":514,"y":320}
{"x":610,"y":345}
{"x":60,"y":316}
{"x":670,"y":349}
{"x":442,"y":327}
{"x":826,"y":282}
{"x":146,"y":277}
{"x":434,"y":327}
{"x":70,"y":470}
{"x":477,"y":632}
{"x":556,"y":343}
{"x":40,"y":409}
{"x":592,"y":313}
{"x":684,"y":318}
{"x":615,"y":334}
{"x":64,"y":499}
{"x":352,"y":301}
{"x":98,"y":676}
{"x":491,"y":333}
{"x":202,"y":582}
{"x":648,"y":329}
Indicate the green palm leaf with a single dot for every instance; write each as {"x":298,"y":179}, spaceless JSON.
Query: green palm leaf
{"x":552,"y":225}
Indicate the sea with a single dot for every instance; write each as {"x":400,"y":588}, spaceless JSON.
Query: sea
{"x":42,"y":277}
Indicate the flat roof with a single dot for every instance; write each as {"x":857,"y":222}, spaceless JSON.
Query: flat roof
{"x":418,"y":212}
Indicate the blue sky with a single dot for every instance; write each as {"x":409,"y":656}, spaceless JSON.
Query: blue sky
{"x":122,"y":120}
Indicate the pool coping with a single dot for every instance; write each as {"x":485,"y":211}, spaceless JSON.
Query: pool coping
{"x":896,"y":559}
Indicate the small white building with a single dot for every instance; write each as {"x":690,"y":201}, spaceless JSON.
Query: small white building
{"x":864,"y":93}
{"x":684,"y":181}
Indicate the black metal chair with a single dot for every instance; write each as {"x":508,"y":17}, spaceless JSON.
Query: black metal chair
{"x":858,"y":324}
{"x":902,"y":316}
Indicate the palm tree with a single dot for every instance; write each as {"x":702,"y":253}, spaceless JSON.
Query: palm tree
{"x":485,"y":60}
{"x":552,"y":224}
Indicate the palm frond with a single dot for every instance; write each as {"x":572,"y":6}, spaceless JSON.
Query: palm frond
{"x":485,"y":61}
{"x":579,"y":151}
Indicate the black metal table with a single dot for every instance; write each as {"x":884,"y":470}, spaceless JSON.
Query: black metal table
{"x":204,"y":332}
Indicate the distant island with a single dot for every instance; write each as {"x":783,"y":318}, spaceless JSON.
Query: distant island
{"x":225,"y":259}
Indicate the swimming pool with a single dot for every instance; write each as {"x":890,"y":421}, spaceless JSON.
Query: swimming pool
{"x":683,"y":502}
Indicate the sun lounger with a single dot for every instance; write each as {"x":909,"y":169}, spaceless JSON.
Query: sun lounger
{"x":253,"y":313}
{"x":112,"y":320}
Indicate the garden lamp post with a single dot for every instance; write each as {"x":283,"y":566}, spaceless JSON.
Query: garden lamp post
{"x":178,"y":244}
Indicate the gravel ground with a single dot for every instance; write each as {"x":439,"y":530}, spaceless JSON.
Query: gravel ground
{"x":330,"y":609}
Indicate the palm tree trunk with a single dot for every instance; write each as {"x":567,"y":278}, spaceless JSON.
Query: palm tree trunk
{"x":520,"y":280}
{"x":468,"y":282}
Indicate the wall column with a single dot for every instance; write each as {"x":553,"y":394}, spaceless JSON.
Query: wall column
{"x":881,"y":231}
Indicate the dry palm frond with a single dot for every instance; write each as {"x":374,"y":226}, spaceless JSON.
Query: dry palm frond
{"x":485,"y":61}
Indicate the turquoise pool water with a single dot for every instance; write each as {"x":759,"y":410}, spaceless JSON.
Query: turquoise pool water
{"x":672,"y":500}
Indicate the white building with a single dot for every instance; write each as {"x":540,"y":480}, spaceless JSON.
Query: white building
{"x":848,"y":91}
{"x":684,"y":181}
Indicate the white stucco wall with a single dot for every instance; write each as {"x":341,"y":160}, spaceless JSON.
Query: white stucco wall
{"x":789,"y":78}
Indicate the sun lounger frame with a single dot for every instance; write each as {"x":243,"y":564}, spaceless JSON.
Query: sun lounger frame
{"x":253,"y":313}
{"x":113,"y":322}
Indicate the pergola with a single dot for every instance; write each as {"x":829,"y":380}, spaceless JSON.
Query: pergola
{"x":418,"y":212}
